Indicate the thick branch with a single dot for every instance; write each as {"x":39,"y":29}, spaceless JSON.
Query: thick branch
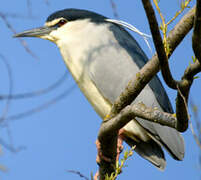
{"x":136,"y":110}
{"x":197,"y":32}
{"x":109,"y":131}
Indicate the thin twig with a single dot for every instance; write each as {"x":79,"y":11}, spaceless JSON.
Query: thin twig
{"x":10,"y":147}
{"x":17,"y":16}
{"x":114,"y":9}
{"x":41,"y":107}
{"x":10,"y":89}
{"x":78,"y":173}
{"x":159,"y":11}
{"x":47,"y":2}
{"x":23,"y":43}
{"x":163,"y":27}
{"x":37,"y":92}
{"x":8,"y":102}
{"x":198,"y":124}
{"x":183,"y":7}
{"x":29,"y":8}
{"x":195,"y":136}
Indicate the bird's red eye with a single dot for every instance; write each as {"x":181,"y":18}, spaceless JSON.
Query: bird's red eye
{"x":62,"y":22}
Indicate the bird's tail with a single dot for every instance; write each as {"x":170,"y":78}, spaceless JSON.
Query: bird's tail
{"x":149,"y":150}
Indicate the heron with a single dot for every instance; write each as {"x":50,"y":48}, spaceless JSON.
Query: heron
{"x":102,"y":57}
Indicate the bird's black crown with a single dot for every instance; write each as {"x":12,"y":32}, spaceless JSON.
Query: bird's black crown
{"x":76,"y":14}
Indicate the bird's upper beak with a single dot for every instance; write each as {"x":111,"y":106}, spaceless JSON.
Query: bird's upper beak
{"x":37,"y":32}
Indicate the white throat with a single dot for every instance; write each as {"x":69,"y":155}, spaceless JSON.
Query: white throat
{"x":78,"y":38}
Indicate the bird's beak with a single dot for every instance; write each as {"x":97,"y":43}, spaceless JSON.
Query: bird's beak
{"x":37,"y":32}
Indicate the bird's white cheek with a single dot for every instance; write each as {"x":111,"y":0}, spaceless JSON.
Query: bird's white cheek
{"x":48,"y":37}
{"x":53,"y":36}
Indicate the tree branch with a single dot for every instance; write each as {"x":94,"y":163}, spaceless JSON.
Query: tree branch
{"x":184,"y":85}
{"x":109,"y":129}
{"x":158,"y":42}
{"x":10,"y":27}
{"x":196,"y":38}
{"x":182,"y":95}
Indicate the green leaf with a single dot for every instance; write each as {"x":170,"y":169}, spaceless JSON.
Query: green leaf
{"x":186,"y":2}
{"x":196,"y":77}
{"x":194,"y":59}
{"x":182,"y":4}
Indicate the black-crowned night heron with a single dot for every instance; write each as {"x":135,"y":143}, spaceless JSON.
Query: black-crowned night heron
{"x":102,"y":57}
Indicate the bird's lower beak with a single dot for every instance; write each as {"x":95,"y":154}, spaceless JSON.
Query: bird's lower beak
{"x":37,"y":32}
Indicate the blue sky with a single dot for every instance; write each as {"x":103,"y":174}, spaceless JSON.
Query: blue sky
{"x":62,"y":137}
